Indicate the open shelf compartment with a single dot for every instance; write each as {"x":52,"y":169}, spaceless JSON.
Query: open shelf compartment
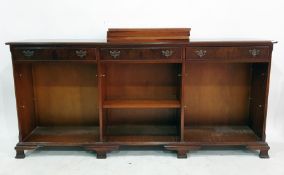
{"x":60,"y":103}
{"x":140,"y":125}
{"x":226,"y":102}
{"x":141,"y":102}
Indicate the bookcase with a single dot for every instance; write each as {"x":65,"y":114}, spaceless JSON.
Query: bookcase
{"x":109,"y":96}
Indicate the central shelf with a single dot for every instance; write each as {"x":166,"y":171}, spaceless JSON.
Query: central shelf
{"x":141,"y":104}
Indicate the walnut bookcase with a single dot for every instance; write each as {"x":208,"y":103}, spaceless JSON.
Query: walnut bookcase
{"x":176,"y":96}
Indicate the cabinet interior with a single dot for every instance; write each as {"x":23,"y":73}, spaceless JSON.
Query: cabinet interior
{"x":223,"y":102}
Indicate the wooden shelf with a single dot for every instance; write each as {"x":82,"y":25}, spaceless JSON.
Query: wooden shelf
{"x":220,"y":134}
{"x":141,"y":130}
{"x":136,"y":134}
{"x":141,"y":104}
{"x":64,"y":134}
{"x":140,"y":140}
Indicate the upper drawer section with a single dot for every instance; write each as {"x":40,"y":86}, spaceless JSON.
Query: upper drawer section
{"x":140,"y":53}
{"x":50,"y":53}
{"x":224,"y":53}
{"x":33,"y":53}
{"x":76,"y":53}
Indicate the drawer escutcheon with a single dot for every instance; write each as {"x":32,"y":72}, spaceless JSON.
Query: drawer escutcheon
{"x":114,"y":53}
{"x":81,"y":53}
{"x":28,"y":53}
{"x":167,"y":53}
{"x":254,"y":52}
{"x":200,"y":53}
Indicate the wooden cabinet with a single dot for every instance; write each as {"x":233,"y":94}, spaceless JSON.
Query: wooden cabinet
{"x":106,"y":96}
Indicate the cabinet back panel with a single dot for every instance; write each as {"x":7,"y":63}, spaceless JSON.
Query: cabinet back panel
{"x":66,"y":94}
{"x":142,"y":81}
{"x":217,"y":93}
{"x":142,"y":116}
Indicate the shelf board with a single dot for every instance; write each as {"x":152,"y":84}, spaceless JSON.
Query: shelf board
{"x":123,"y":130}
{"x":64,"y":134}
{"x":137,"y":134}
{"x":141,"y":104}
{"x":142,"y":140}
{"x":220,"y":134}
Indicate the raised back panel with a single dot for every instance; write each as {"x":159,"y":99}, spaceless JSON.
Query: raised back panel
{"x":135,"y":35}
{"x":66,"y":94}
{"x":217,"y":93}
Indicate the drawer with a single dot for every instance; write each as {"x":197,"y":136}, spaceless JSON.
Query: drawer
{"x":140,"y":53}
{"x":42,"y":53}
{"x":33,"y":53}
{"x":223,"y":53}
{"x":76,"y":53}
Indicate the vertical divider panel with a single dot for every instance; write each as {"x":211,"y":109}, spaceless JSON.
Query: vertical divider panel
{"x":103,"y":98}
{"x":100,"y":94}
{"x":182,"y":89}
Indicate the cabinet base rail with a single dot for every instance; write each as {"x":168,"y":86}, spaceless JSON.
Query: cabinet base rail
{"x":182,"y":148}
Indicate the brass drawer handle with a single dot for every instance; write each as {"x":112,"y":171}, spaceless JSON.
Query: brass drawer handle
{"x":81,"y":53}
{"x":167,"y":53}
{"x":114,"y":53}
{"x":254,"y":52}
{"x":28,"y":53}
{"x":200,"y":53}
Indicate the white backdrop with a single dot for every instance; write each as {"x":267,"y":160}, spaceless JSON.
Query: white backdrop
{"x":89,"y":19}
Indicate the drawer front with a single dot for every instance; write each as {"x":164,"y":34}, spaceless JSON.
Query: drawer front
{"x":37,"y":53}
{"x":33,"y":53}
{"x":140,"y":53}
{"x":76,"y":53}
{"x":223,"y":53}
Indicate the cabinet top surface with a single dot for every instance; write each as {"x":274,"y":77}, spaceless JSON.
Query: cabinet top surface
{"x":104,"y":43}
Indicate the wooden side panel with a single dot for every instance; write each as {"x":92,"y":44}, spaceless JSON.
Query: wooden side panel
{"x":23,"y":78}
{"x":258,"y":98}
{"x":217,"y":93}
{"x":66,"y":94}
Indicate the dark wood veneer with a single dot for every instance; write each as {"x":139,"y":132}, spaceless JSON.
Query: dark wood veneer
{"x":178,"y":96}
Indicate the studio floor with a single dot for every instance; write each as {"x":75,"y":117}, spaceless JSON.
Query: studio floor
{"x":227,"y":162}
